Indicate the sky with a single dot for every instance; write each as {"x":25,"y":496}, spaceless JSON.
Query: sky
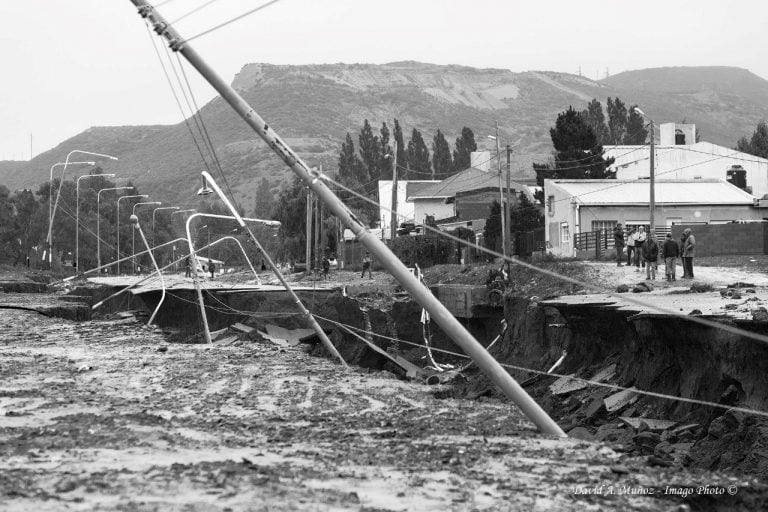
{"x":69,"y":65}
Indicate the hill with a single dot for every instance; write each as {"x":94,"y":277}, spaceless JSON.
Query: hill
{"x":314,"y":106}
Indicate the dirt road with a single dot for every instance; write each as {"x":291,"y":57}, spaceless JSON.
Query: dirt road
{"x":96,"y":415}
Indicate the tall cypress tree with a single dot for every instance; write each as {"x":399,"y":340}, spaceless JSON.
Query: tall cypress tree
{"x":595,"y":119}
{"x":636,"y":132}
{"x":465,"y":145}
{"x":402,"y":159}
{"x":418,"y":158}
{"x":617,"y":121}
{"x":441,"y":156}
{"x":385,"y":164}
{"x":369,"y":151}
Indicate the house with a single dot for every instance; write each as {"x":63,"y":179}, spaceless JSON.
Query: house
{"x":405,"y":208}
{"x":465,"y":196}
{"x":675,"y":159}
{"x":578,"y":206}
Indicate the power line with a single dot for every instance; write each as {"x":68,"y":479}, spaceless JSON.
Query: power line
{"x":193,"y":11}
{"x":247,"y":13}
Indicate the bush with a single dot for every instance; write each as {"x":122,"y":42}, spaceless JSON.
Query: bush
{"x":424,"y":251}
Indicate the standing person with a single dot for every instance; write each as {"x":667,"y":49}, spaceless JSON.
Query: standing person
{"x":639,"y":238}
{"x":212,"y":269}
{"x":630,"y":245}
{"x":618,"y":240}
{"x":681,"y":245}
{"x":650,"y":256}
{"x":326,"y":267}
{"x":671,"y":252}
{"x":367,"y":265}
{"x":689,"y":251}
{"x":188,"y":267}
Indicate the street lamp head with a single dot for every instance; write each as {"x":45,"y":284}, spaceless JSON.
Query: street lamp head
{"x":205,"y":189}
{"x":492,"y":137}
{"x":134,"y":220}
{"x":637,"y":109}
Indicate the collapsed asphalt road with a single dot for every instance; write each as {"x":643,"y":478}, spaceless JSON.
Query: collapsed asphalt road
{"x":105,"y":415}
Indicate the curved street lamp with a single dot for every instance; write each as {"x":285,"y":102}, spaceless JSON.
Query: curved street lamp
{"x":652,"y":197}
{"x":117,"y":222}
{"x":51,"y":208}
{"x":98,"y":219}
{"x":153,"y":219}
{"x":77,"y":214}
{"x":133,"y":232}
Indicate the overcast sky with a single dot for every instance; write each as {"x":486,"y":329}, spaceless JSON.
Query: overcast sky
{"x":69,"y":65}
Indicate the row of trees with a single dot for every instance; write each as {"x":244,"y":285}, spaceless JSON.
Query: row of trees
{"x":757,"y":144}
{"x":24,"y":226}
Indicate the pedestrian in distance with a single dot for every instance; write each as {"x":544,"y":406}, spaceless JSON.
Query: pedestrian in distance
{"x":689,"y":252}
{"x":367,"y":266}
{"x":639,"y":238}
{"x":650,"y":256}
{"x":630,"y":245}
{"x":188,"y":266}
{"x":681,"y":246}
{"x":212,"y":269}
{"x":326,"y":267}
{"x":670,"y":252}
{"x":618,"y":240}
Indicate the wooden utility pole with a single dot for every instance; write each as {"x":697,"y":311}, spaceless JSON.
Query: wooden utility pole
{"x":308,"y":251}
{"x":318,"y":229}
{"x":503,"y":209}
{"x":508,"y":250}
{"x":653,"y":187}
{"x":393,"y":222}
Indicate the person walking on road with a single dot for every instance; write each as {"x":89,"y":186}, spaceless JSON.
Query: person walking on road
{"x":689,"y":251}
{"x":670,"y":251}
{"x":650,"y":256}
{"x":212,"y":269}
{"x":367,"y":266}
{"x":618,"y":239}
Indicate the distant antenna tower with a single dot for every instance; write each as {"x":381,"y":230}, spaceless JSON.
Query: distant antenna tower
{"x":579,"y":70}
{"x":607,"y":74}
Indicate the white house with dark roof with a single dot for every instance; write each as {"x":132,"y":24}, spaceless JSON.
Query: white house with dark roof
{"x":578,"y":206}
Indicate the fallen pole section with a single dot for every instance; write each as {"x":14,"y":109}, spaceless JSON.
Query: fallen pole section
{"x":450,"y":325}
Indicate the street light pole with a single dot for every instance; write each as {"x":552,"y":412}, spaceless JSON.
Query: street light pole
{"x":393,"y":221}
{"x":117,"y":223}
{"x":502,"y":203}
{"x":51,"y":208}
{"x":652,"y":195}
{"x":77,"y":214}
{"x":133,"y":234}
{"x":98,"y":221}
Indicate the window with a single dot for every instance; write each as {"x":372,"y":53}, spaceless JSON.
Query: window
{"x":603,"y":225}
{"x":565,"y":232}
{"x":551,"y":205}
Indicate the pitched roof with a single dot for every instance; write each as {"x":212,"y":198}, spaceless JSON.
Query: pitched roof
{"x":623,"y":192}
{"x":465,"y":181}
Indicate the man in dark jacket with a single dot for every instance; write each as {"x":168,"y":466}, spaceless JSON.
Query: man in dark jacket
{"x":650,"y":255}
{"x":671,"y":252}
{"x":689,"y":251}
{"x":618,"y":240}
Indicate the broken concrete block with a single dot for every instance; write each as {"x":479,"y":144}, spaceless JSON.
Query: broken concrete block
{"x":695,"y":312}
{"x":653,"y":425}
{"x":622,"y":288}
{"x":730,"y":293}
{"x":647,"y":441}
{"x":620,"y":400}
{"x":242,"y":328}
{"x":642,"y":287}
{"x":605,"y":374}
{"x":760,"y":314}
{"x":595,"y":408}
{"x":565,"y":385}
{"x":581,"y":433}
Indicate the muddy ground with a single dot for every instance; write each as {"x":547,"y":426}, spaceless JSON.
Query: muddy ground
{"x":106,"y":416}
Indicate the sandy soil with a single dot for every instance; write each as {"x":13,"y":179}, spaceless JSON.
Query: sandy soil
{"x":94,"y":416}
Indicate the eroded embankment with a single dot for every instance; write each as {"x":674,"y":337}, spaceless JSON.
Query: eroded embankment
{"x":663,"y":354}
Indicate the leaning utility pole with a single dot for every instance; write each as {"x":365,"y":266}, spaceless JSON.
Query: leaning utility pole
{"x":503,"y":210}
{"x":393,"y":223}
{"x":308,"y":250}
{"x":314,"y":180}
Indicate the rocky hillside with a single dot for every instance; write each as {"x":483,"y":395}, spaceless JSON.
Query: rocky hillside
{"x":313,"y":106}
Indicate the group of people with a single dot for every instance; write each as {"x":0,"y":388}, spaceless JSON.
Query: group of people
{"x":643,"y":249}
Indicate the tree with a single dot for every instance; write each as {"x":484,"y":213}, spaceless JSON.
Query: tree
{"x":758,"y":143}
{"x":595,"y":119}
{"x":262,"y":204}
{"x":442,"y":162}
{"x":617,"y":121}
{"x":492,"y":229}
{"x":370,"y":152}
{"x":418,"y":157}
{"x":577,"y":153}
{"x":350,"y":166}
{"x":465,"y":145}
{"x":636,"y":131}
{"x":525,"y":216}
{"x":402,"y":160}
{"x":385,"y":150}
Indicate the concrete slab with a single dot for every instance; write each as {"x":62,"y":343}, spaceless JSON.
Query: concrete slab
{"x":654,"y":425}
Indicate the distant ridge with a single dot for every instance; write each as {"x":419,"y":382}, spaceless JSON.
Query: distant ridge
{"x":314,"y":106}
